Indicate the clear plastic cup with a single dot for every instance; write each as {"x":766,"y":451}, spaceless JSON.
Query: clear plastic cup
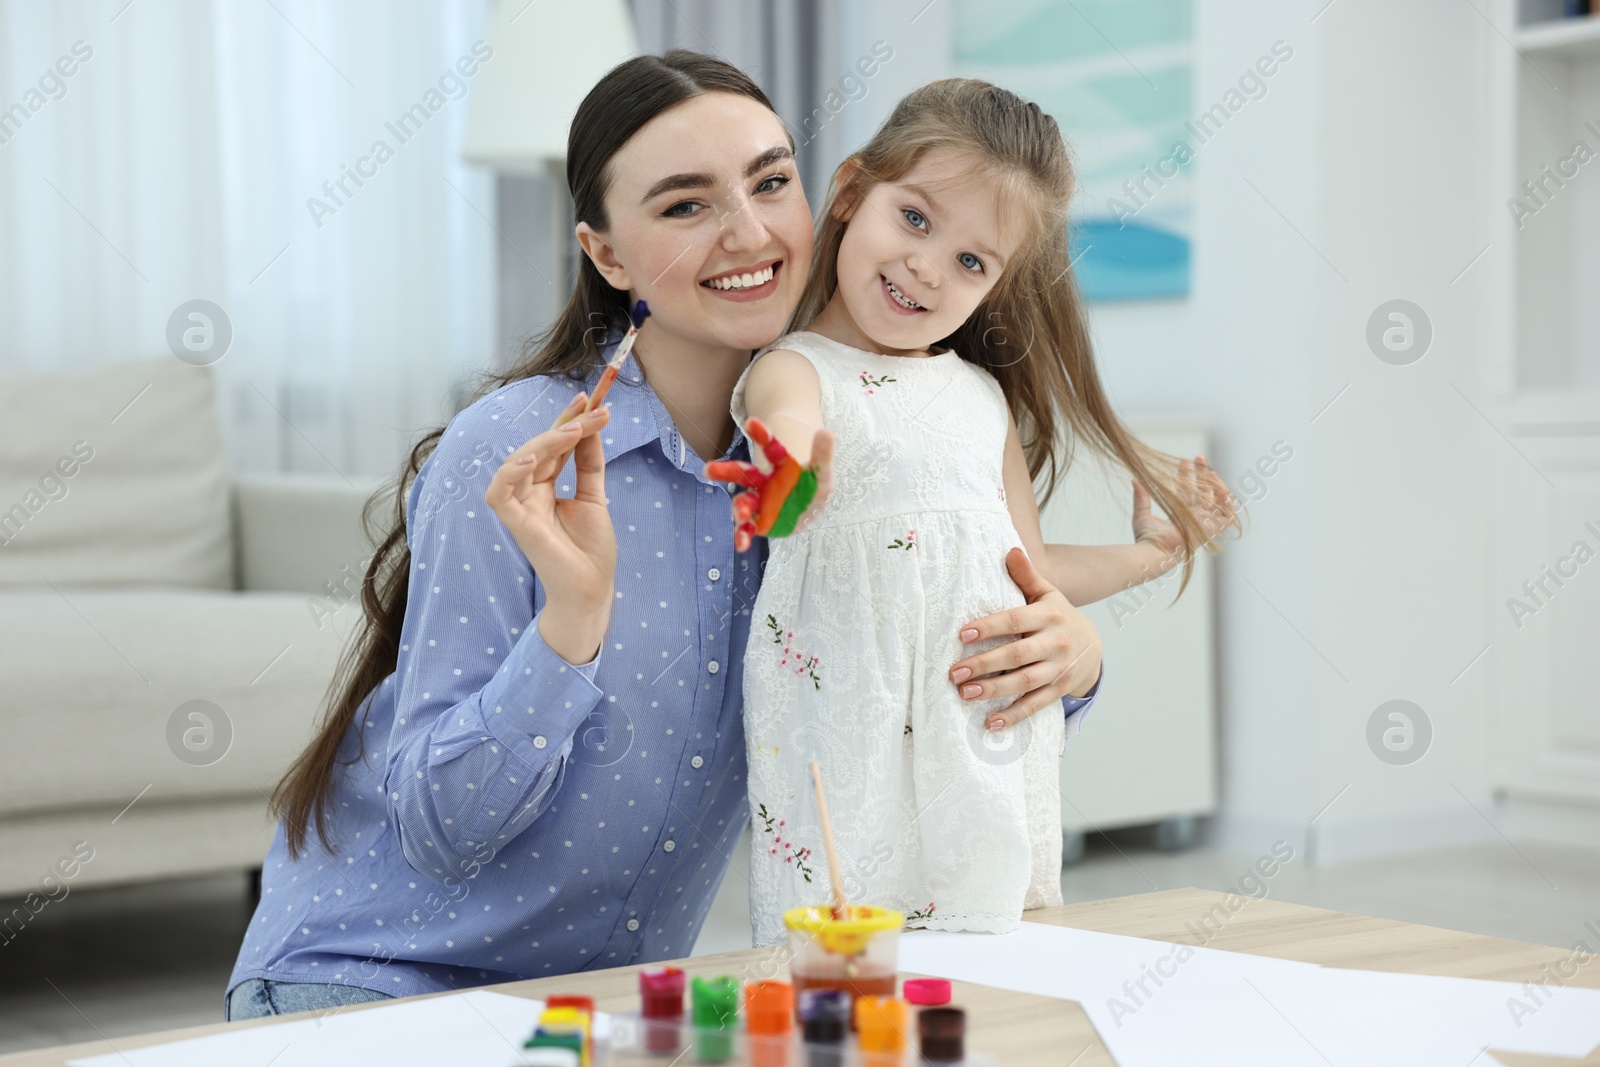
{"x":858,"y":952}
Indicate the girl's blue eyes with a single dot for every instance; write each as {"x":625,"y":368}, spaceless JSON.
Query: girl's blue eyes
{"x":920,"y":221}
{"x":766,"y":186}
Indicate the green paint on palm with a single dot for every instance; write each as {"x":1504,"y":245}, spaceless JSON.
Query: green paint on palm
{"x":800,"y":497}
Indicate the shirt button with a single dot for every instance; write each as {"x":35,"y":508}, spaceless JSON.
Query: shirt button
{"x":713,"y":666}
{"x":669,"y":846}
{"x":633,"y":924}
{"x":697,"y":763}
{"x":539,"y":741}
{"x":713,"y":574}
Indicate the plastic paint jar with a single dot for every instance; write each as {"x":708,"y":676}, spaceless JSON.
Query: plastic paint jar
{"x":858,"y":952}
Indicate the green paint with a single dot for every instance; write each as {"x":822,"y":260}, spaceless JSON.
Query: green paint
{"x":716,"y":1015}
{"x":544,"y":1039}
{"x":800,"y":497}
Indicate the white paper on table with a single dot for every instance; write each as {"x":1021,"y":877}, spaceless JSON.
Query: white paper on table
{"x":1218,"y":1007}
{"x":475,"y":1028}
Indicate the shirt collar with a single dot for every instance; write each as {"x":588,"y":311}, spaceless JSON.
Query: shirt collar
{"x":638,"y":416}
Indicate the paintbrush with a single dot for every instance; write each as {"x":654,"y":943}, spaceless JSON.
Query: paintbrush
{"x":840,"y":904}
{"x":636,"y":317}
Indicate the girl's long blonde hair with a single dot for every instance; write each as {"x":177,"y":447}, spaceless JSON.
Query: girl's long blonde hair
{"x":1030,"y":331}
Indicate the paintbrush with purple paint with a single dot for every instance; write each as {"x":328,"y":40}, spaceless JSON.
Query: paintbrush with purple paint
{"x":636,"y":317}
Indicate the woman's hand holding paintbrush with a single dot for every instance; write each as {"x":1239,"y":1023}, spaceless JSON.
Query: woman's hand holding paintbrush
{"x":569,"y":541}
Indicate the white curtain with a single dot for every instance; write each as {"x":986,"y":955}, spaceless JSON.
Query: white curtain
{"x":185,"y":157}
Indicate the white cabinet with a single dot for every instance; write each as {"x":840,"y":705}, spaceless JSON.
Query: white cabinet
{"x":1547,"y":609}
{"x":1148,"y":750}
{"x":1545,"y":597}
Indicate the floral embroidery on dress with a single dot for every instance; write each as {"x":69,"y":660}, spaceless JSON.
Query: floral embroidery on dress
{"x":1002,"y":494}
{"x":794,"y":856}
{"x":908,"y":543}
{"x":871,"y":384}
{"x":921,"y":913}
{"x":802,"y":664}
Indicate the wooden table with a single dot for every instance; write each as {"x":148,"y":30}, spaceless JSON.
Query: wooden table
{"x":1025,"y":1029}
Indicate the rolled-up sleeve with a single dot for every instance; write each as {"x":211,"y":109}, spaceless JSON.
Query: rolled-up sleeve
{"x":1078,"y":707}
{"x":486,"y":711}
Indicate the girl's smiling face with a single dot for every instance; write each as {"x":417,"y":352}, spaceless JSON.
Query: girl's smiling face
{"x":707,"y":222}
{"x":919,"y":254}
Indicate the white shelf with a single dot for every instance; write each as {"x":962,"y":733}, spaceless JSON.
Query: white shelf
{"x":1545,"y":90}
{"x":1567,"y":38}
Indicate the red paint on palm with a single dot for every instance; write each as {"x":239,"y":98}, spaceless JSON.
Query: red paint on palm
{"x":747,"y":504}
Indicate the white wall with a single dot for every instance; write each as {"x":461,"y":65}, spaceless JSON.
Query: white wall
{"x":1358,"y":178}
{"x":1369,"y":551}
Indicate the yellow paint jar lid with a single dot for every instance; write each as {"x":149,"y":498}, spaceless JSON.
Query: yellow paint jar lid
{"x":847,"y":936}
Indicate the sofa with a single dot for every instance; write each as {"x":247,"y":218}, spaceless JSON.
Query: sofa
{"x":168,"y":630}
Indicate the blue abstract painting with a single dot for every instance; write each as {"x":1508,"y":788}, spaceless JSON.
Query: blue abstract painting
{"x":1118,"y":76}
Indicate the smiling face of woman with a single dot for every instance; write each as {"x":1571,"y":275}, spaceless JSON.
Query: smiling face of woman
{"x":708,"y":223}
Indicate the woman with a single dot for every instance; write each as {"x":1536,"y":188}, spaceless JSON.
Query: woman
{"x":535,"y":762}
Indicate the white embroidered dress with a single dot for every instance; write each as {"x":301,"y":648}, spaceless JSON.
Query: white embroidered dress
{"x":853,"y":633}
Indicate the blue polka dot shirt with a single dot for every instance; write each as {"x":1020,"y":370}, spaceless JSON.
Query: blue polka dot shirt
{"x":512,"y":815}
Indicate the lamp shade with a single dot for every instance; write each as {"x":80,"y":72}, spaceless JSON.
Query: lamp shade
{"x":548,"y":54}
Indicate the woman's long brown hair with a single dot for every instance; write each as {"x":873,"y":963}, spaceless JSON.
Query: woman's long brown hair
{"x":629,"y":96}
{"x":1030,"y":331}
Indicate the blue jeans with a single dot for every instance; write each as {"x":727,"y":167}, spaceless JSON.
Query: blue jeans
{"x":255,"y":997}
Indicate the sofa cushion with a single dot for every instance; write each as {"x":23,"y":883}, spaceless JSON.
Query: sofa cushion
{"x":90,"y":681}
{"x":113,"y":476}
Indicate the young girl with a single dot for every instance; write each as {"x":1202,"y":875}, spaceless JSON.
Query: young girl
{"x":941,"y":303}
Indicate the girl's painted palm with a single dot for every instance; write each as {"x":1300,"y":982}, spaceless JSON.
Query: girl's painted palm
{"x":783,"y":502}
{"x":1206,"y":494}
